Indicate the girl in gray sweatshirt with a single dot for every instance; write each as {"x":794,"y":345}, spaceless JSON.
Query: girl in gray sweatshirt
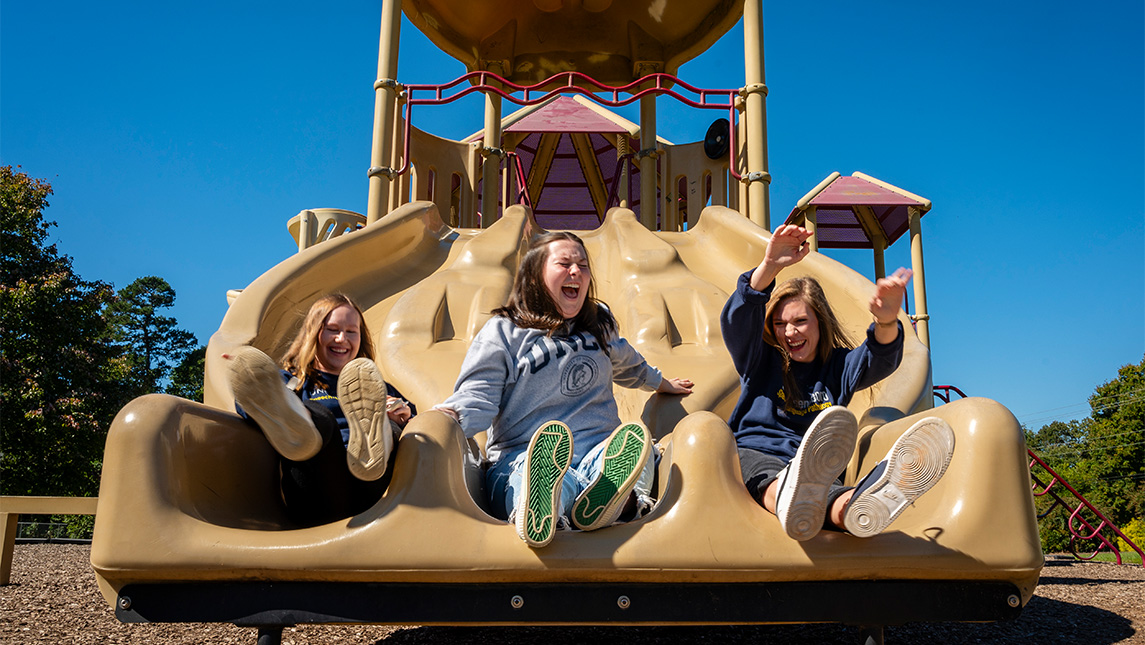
{"x":538,"y":380}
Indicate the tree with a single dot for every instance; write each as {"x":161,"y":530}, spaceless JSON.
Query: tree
{"x":1117,"y":439}
{"x":187,"y":377}
{"x":153,"y":342}
{"x":1101,"y":456}
{"x":61,"y":383}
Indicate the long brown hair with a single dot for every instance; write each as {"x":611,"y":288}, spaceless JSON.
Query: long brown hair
{"x":831,"y":334}
{"x":300,"y":358}
{"x":530,"y":305}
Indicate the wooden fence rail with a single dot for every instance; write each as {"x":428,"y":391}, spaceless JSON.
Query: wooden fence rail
{"x":12,"y":507}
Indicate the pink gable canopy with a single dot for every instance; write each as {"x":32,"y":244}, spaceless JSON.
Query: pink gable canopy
{"x":565,"y":115}
{"x":838,"y":227}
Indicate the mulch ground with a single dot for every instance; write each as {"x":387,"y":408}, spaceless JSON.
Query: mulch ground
{"x":53,"y":599}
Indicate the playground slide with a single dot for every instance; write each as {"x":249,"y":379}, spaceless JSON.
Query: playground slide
{"x":190,"y":526}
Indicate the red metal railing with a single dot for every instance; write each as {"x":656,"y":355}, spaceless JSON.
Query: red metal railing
{"x":944,"y":391}
{"x":570,"y":83}
{"x":515,"y":165}
{"x":1082,"y":530}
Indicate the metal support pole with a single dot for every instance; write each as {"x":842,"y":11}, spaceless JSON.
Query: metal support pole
{"x":755,"y":114}
{"x":811,"y":223}
{"x":400,"y":184}
{"x":385,"y":109}
{"x":621,"y":150}
{"x":922,"y":319}
{"x":648,"y":162}
{"x":491,"y":163}
{"x":469,"y":187}
{"x":512,"y":186}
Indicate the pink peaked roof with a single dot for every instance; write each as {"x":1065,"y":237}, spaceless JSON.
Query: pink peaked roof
{"x":565,"y":115}
{"x":838,"y":225}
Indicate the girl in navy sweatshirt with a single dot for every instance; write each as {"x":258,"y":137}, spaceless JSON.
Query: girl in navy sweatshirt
{"x":798,"y":371}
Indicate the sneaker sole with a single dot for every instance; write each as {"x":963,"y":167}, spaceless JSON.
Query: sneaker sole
{"x":915,"y":463}
{"x":362,"y":395}
{"x":624,"y":457}
{"x":256,"y":382}
{"x":822,"y":456}
{"x":549,"y":456}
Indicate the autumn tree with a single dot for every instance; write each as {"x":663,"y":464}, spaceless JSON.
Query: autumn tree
{"x":61,"y":382}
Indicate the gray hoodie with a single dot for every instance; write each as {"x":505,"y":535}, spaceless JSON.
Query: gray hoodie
{"x":514,"y":379}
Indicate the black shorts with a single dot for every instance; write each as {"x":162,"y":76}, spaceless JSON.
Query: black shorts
{"x":760,"y":468}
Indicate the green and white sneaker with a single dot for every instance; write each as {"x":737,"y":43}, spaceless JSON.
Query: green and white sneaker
{"x":362,"y":395}
{"x":627,"y":450}
{"x":256,"y":381}
{"x":914,"y":464}
{"x":547,"y":461}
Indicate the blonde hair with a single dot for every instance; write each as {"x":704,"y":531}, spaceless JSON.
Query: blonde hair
{"x":300,"y":359}
{"x":831,"y":334}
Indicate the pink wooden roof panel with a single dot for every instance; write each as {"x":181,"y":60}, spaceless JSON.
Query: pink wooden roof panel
{"x":838,"y":227}
{"x":565,"y":115}
{"x":847,"y":191}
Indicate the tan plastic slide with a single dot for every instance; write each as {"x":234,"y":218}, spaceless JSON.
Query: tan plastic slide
{"x":190,"y":526}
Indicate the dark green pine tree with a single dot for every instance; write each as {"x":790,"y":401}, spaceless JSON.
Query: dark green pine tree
{"x":187,"y":377}
{"x":153,"y":342}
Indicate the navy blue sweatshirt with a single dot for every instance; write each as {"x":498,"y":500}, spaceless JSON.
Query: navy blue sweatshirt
{"x":762,"y":419}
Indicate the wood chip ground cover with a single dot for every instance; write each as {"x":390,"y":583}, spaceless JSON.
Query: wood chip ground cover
{"x":53,"y":599}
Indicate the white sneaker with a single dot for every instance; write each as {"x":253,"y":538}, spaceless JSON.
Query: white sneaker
{"x":362,"y":395}
{"x":804,"y":484}
{"x":915,"y":463}
{"x":259,"y":390}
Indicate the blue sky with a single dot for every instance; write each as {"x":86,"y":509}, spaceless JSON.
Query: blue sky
{"x":180,"y":137}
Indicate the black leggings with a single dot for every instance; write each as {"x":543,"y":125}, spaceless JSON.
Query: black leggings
{"x":322,"y":489}
{"x":760,"y":468}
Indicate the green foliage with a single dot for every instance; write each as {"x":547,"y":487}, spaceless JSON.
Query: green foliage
{"x":60,"y":381}
{"x":153,"y":342}
{"x":1135,"y":531}
{"x":187,"y":377}
{"x":79,"y":527}
{"x":1101,"y":456}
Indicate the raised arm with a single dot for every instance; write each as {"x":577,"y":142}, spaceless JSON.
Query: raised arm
{"x":787,"y":246}
{"x":885,"y":304}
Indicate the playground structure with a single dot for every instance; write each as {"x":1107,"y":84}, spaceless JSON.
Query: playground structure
{"x":190,"y":526}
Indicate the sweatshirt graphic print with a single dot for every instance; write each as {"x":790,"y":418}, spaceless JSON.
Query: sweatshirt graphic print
{"x":514,"y":379}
